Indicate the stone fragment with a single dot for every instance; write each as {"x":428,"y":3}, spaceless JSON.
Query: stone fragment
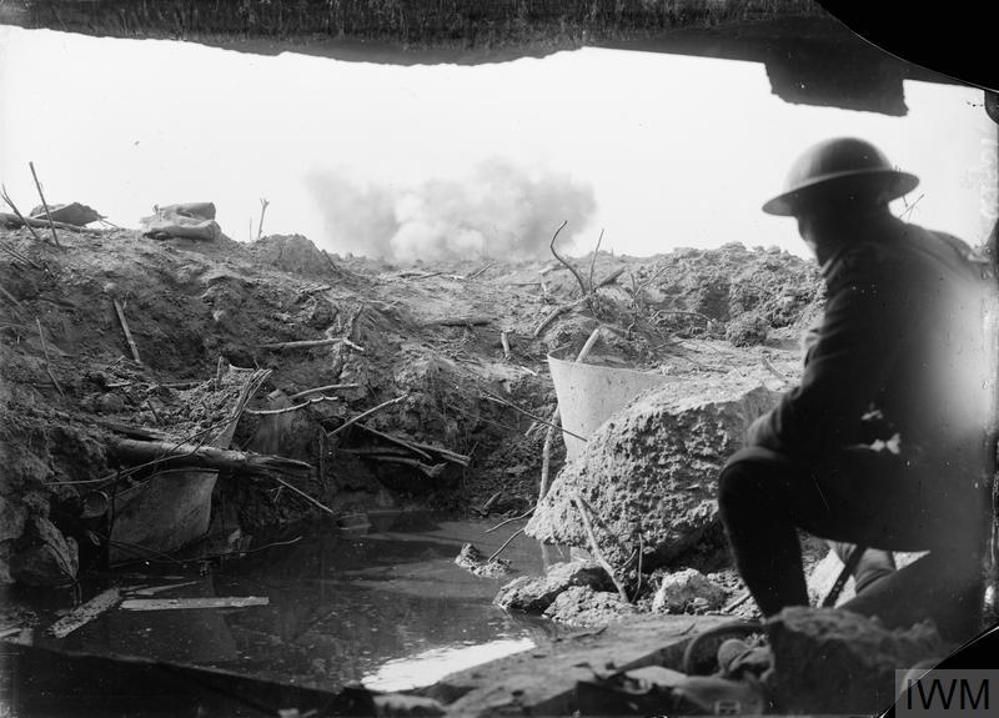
{"x":582,"y":606}
{"x":535,"y":594}
{"x":685,"y":590}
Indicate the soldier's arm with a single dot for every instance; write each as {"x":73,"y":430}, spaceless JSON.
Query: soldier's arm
{"x":847,"y":364}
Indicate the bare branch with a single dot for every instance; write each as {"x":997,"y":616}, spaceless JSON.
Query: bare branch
{"x":593,"y":259}
{"x":570,"y":267}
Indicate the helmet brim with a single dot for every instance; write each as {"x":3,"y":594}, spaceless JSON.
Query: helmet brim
{"x":892,"y":183}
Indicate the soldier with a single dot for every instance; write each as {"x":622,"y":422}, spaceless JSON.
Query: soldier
{"x":882,"y":444}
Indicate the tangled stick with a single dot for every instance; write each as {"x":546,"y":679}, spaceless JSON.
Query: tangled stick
{"x":575,"y":272}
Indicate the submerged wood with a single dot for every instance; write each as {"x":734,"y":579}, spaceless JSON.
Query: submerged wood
{"x":174,"y":604}
{"x":82,"y":615}
{"x":207,"y":457}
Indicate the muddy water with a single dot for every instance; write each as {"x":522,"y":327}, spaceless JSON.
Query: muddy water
{"x":387,"y":609}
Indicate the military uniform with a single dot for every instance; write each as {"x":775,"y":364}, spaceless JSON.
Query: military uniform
{"x":882,"y":442}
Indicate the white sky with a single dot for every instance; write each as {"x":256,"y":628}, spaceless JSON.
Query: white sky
{"x":679,"y":151}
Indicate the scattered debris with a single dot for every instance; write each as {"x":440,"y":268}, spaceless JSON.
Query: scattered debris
{"x":473,"y":560}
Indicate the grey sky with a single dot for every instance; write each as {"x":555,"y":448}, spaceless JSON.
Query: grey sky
{"x":677,"y":151}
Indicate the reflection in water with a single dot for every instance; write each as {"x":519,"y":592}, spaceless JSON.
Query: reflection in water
{"x":389,"y":609}
{"x":430,"y":666}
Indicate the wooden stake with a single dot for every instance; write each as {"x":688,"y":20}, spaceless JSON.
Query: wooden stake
{"x":305,"y":496}
{"x":48,"y":363}
{"x":128,"y":332}
{"x":597,"y":554}
{"x":593,"y":259}
{"x":506,"y":543}
{"x":510,"y":521}
{"x":505,"y":340}
{"x":365,"y":415}
{"x":546,"y":454}
{"x":48,"y":216}
{"x":263,"y":208}
{"x":10,"y":203}
{"x":10,"y":297}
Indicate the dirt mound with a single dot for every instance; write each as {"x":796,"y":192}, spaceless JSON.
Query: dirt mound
{"x":461,"y":348}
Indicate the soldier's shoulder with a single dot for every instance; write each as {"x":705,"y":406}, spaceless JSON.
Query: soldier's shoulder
{"x":863,"y":260}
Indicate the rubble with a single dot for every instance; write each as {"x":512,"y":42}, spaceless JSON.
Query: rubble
{"x":687,"y":591}
{"x":535,"y":595}
{"x":652,"y":469}
{"x":585,"y":607}
{"x":833,"y":661}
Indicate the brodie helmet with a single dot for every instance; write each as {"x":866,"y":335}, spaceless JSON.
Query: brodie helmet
{"x":844,"y":165}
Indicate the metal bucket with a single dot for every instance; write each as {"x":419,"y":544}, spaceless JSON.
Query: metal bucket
{"x":588,"y":395}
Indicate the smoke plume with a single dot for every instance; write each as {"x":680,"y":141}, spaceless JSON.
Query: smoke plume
{"x":499,"y":210}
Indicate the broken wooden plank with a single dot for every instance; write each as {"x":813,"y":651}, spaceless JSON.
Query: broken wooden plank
{"x":175,"y":604}
{"x":84,"y":614}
